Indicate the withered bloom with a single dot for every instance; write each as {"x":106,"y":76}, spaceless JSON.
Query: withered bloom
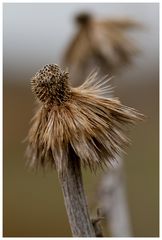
{"x":78,"y":123}
{"x":100,"y":42}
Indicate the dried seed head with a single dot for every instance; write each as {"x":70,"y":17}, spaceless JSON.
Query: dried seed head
{"x":80,"y":123}
{"x":83,"y":18}
{"x":50,"y":85}
{"x":102,"y":43}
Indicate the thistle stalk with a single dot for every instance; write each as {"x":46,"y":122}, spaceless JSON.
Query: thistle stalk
{"x":75,"y":200}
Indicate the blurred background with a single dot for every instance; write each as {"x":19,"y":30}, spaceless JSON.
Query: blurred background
{"x":36,"y":34}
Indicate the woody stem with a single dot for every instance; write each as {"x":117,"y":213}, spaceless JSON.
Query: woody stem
{"x":75,"y":200}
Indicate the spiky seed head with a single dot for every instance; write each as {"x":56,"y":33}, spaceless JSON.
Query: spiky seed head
{"x":104,"y":43}
{"x":50,"y":85}
{"x":78,"y":123}
{"x":83,"y":18}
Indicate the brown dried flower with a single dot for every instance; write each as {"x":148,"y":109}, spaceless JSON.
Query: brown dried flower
{"x":100,"y":43}
{"x":78,"y":123}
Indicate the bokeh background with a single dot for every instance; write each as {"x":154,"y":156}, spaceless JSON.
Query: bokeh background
{"x":35,"y":34}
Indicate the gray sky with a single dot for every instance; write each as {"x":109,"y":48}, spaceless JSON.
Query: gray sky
{"x":35,"y":34}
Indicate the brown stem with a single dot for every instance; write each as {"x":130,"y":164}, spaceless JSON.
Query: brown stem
{"x":75,"y":201}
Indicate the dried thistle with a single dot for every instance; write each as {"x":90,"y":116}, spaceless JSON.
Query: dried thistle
{"x":74,"y":126}
{"x":102,"y":43}
{"x":76,"y":121}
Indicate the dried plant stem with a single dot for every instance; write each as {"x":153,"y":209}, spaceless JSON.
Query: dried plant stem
{"x":75,"y":201}
{"x":114,"y":201}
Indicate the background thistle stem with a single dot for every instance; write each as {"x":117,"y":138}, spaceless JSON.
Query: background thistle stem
{"x":113,"y":200}
{"x":75,"y":200}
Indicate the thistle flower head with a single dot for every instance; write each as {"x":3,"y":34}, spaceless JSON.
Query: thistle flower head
{"x":78,"y":123}
{"x":83,"y":18}
{"x":50,"y":85}
{"x":104,"y":43}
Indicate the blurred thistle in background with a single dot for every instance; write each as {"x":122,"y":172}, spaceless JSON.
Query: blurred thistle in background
{"x":102,"y":44}
{"x":31,"y":41}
